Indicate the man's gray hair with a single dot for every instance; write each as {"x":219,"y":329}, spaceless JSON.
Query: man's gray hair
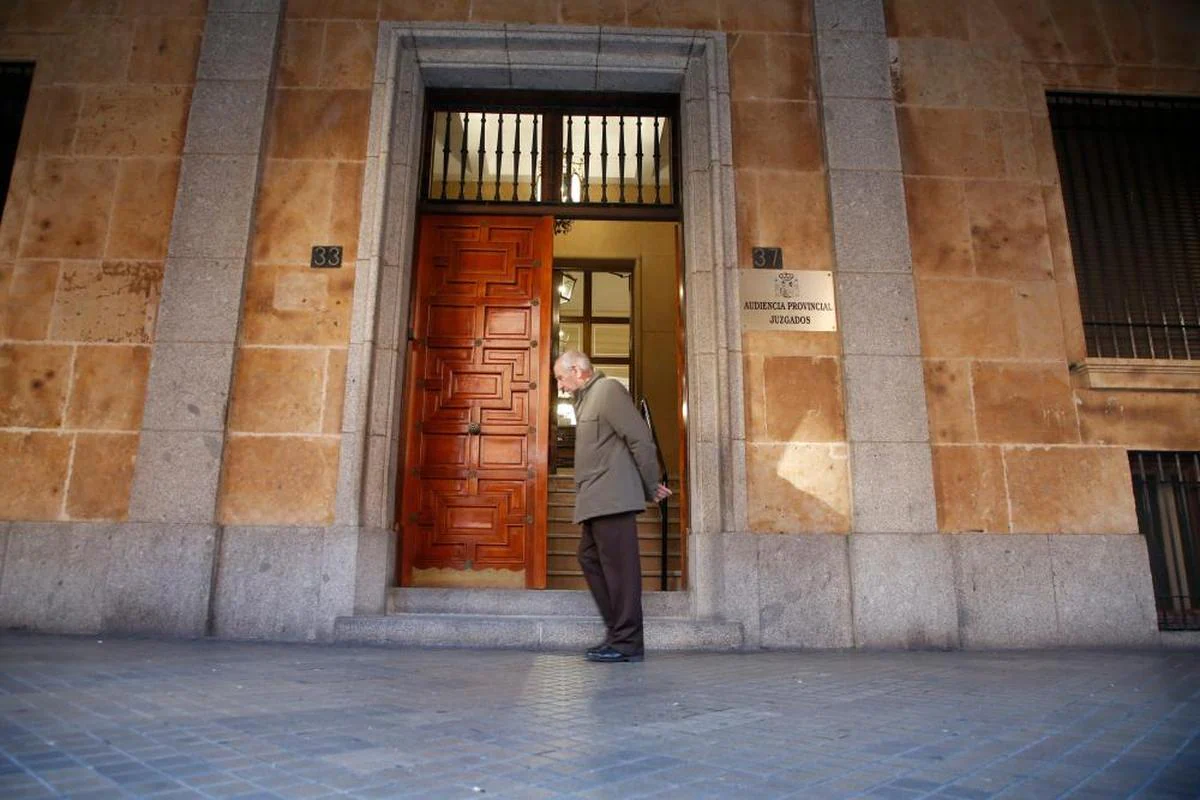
{"x":574,"y":358}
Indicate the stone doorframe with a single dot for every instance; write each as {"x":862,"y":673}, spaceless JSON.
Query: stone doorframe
{"x":413,"y":57}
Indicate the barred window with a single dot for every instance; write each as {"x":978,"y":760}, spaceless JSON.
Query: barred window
{"x":1130,"y":170}
{"x":1166,"y":488}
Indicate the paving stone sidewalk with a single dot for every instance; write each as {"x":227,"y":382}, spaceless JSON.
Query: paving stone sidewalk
{"x":89,"y":718}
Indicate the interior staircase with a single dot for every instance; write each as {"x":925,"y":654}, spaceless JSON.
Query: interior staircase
{"x":562,"y":564}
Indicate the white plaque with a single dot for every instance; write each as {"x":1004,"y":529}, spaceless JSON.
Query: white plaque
{"x":784,"y":300}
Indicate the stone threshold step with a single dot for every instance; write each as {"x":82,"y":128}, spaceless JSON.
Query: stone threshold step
{"x":523,"y":602}
{"x":528,"y":632}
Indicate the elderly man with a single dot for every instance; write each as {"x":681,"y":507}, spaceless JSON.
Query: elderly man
{"x":616,"y":473}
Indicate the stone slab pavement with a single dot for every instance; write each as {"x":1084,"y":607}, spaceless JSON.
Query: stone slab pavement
{"x":96,"y":718}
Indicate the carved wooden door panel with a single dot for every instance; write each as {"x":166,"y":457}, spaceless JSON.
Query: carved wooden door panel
{"x":474,"y":482}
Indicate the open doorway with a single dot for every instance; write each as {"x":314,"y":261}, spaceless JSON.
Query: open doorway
{"x":617,"y":298}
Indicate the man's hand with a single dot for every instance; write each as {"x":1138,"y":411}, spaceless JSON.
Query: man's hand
{"x":661,"y":492}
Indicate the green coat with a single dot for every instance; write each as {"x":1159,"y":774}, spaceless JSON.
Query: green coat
{"x":616,"y":465}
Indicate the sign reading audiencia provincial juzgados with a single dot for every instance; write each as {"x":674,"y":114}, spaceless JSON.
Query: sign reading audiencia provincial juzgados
{"x":787,"y":300}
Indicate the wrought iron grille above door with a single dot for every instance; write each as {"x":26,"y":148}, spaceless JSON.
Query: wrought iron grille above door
{"x":578,"y":155}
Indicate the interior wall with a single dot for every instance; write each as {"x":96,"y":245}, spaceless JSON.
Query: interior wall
{"x":651,"y":245}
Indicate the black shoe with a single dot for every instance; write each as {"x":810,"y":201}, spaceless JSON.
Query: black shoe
{"x":591,"y":651}
{"x":611,"y":655}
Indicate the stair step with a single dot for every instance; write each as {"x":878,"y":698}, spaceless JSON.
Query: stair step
{"x":647,"y":550}
{"x":562,"y":483}
{"x":564,"y":521}
{"x":645,"y":537}
{"x":557,"y":563}
{"x":650,"y":583}
{"x":574,"y":582}
{"x":566,"y":513}
{"x":647,"y":524}
{"x":532,"y":632}
{"x":650,"y":576}
{"x":521,"y":602}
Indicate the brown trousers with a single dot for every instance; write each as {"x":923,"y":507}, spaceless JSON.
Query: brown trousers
{"x":608,"y":554}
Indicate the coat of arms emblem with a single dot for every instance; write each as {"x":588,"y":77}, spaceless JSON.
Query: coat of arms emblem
{"x":786,"y":285}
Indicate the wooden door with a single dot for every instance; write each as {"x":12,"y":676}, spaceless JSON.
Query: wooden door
{"x":473,"y":488}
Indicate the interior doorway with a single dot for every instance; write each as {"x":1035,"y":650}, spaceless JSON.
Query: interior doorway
{"x":617,"y":298}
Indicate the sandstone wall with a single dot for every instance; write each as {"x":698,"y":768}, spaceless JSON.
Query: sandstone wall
{"x":1020,"y":444}
{"x":83,"y":242}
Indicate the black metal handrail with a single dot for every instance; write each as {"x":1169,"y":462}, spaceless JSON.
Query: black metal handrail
{"x":644,"y":407}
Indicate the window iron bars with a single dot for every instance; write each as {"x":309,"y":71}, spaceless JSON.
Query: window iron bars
{"x":500,"y":157}
{"x":587,"y":158}
{"x":604,"y":159}
{"x":462,"y":164}
{"x":1166,"y":487}
{"x":630,"y":154}
{"x":534,"y":171}
{"x":568,"y":159}
{"x":621,"y":158}
{"x":1131,"y":186}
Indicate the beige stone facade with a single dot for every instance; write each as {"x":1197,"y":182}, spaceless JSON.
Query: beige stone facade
{"x":83,"y":243}
{"x":1021,"y":445}
{"x":1015,"y":432}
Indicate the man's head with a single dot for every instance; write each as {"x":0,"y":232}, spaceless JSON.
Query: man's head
{"x":572,"y":370}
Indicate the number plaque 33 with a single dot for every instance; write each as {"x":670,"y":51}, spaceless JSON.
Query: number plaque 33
{"x":327,"y":256}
